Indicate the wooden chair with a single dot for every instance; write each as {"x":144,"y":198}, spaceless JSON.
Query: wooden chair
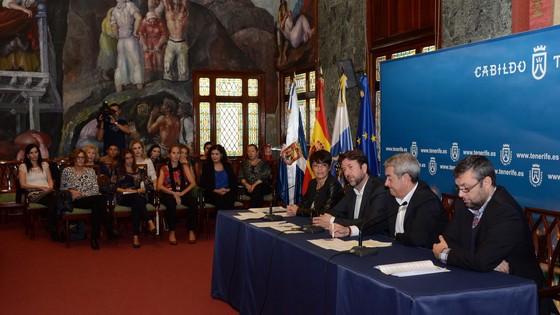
{"x":121,"y":213}
{"x":448,"y":203}
{"x":10,"y":204}
{"x":545,"y":231}
{"x":80,"y":214}
{"x":245,"y":199}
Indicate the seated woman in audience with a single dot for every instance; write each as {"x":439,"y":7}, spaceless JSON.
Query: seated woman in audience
{"x":154,"y":153}
{"x":254,"y":174}
{"x":110,"y":160}
{"x":185,"y":152}
{"x":202,"y":157}
{"x":130,"y":192}
{"x":81,"y":182}
{"x":92,"y":159}
{"x":323,"y":192}
{"x":218,"y":179}
{"x":175,"y":182}
{"x":140,"y":157}
{"x":34,"y":176}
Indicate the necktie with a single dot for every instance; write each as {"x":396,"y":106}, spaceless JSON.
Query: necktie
{"x":476,"y":218}
{"x":399,"y":224}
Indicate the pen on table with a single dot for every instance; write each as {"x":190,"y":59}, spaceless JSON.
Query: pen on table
{"x":332,"y":230}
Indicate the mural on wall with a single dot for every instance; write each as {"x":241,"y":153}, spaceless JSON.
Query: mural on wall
{"x":294,"y":32}
{"x":138,"y":53}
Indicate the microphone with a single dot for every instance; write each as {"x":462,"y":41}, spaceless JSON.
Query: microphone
{"x":363,"y":251}
{"x":270,"y":216}
{"x":313,"y":229}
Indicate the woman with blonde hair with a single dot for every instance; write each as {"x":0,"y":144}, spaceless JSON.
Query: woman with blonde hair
{"x":92,"y":159}
{"x":137,"y":147}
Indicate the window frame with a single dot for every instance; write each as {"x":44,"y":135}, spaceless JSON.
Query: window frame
{"x":244,"y":99}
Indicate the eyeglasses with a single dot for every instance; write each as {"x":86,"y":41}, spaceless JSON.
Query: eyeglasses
{"x":80,"y":157}
{"x":466,"y":190}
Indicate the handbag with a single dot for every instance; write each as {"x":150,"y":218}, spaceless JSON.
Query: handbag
{"x":35,"y":196}
{"x":64,"y":202}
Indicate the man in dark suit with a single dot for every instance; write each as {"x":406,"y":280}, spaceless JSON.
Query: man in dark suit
{"x":489,"y":230}
{"x":413,"y":214}
{"x":359,"y":203}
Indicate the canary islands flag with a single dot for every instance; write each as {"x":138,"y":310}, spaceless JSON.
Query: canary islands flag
{"x":342,"y":138}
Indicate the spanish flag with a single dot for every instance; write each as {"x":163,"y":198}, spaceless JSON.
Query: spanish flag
{"x":320,"y":138}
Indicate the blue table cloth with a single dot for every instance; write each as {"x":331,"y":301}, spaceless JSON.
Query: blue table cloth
{"x":263,"y":271}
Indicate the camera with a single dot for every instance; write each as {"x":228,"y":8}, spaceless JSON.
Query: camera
{"x":106,"y":111}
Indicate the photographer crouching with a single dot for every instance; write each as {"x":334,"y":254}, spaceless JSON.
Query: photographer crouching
{"x":111,"y":129}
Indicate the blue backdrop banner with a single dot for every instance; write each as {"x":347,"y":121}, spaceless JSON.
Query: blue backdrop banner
{"x":499,"y":98}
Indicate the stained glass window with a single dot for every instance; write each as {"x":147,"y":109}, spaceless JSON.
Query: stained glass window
{"x":204,"y":124}
{"x":204,"y":86}
{"x":403,"y":54}
{"x":305,"y":88}
{"x":229,"y":127}
{"x":229,"y":87}
{"x":428,"y":48}
{"x":378,"y":61}
{"x":302,"y":104}
{"x":253,"y":85}
{"x":253,"y":117}
{"x":312,"y":115}
{"x":287,"y":83}
{"x":301,"y":80}
{"x":311,"y":81}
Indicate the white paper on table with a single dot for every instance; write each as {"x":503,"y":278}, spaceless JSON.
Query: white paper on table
{"x":248,"y":216}
{"x":340,"y":245}
{"x":284,"y":226}
{"x":267,"y":209}
{"x":412,"y":268}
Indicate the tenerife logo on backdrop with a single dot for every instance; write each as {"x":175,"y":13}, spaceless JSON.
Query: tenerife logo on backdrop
{"x":432,"y":166}
{"x":539,"y":62}
{"x":414,"y":149}
{"x":511,"y":67}
{"x":535,"y":176}
{"x":455,"y":153}
{"x":505,"y":155}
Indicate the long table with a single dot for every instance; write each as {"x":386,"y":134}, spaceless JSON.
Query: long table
{"x":263,"y":271}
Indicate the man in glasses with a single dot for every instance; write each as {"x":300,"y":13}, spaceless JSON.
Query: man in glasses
{"x":489,"y":230}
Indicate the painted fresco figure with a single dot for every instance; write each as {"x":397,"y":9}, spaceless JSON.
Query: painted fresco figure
{"x":187,"y":124}
{"x":156,"y":6}
{"x":176,"y":52}
{"x":166,"y":124}
{"x":107,"y":57}
{"x":293,"y":33}
{"x":153,"y":38}
{"x":125,"y":21}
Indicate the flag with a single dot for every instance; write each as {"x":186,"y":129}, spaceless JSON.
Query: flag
{"x":293,"y":157}
{"x":320,"y":139}
{"x":342,"y":139}
{"x":365,"y":138}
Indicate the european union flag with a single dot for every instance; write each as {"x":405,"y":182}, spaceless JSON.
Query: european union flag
{"x":365,"y":139}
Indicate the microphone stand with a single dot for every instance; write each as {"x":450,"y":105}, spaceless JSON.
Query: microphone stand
{"x":360,"y":250}
{"x":270,"y":216}
{"x":313,"y":229}
{"x":363,"y":251}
